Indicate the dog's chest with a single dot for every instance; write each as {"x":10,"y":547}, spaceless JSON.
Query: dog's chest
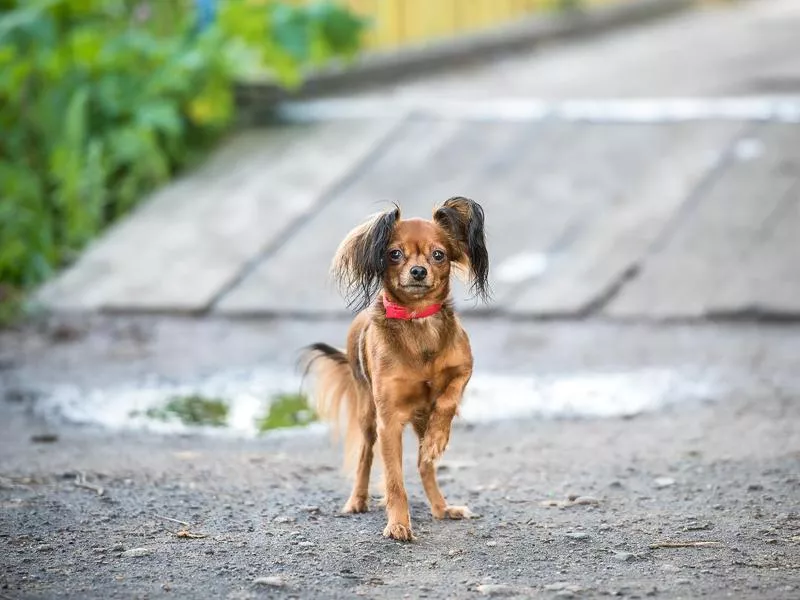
{"x":424,"y":342}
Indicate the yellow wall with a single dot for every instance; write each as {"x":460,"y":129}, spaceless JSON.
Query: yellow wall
{"x":400,"y":22}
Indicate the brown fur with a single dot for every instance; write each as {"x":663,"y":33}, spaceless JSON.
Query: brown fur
{"x":398,"y":372}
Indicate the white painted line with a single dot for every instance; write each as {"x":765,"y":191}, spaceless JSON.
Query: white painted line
{"x":784,"y":109}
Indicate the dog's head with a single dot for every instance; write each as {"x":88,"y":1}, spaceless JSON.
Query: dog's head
{"x":413,"y":259}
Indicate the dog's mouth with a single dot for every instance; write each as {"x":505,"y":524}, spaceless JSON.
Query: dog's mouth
{"x":415,"y":286}
{"x":416,"y":289}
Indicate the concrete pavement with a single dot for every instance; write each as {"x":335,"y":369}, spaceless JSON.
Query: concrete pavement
{"x":634,"y":217}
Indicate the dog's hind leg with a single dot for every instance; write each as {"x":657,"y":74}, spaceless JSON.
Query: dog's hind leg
{"x":359,"y":498}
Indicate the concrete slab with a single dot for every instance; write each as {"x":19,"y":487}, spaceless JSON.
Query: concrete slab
{"x":736,"y":251}
{"x":767,"y":283}
{"x":193,"y":238}
{"x":534,"y":182}
{"x":418,"y":169}
{"x":557,"y":197}
{"x":648,"y":189}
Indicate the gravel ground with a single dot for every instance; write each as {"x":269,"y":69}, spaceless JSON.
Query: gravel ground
{"x":723,"y":471}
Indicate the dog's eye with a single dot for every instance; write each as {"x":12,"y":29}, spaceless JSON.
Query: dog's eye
{"x":438,"y":255}
{"x":396,"y":255}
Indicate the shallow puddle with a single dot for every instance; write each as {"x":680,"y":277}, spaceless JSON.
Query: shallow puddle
{"x":254,"y":402}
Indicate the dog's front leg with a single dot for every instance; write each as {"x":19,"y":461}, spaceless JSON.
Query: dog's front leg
{"x":390,"y":439}
{"x":437,"y":433}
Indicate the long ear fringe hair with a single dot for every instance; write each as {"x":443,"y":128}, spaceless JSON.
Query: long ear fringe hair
{"x":360,"y":261}
{"x":463,"y":219}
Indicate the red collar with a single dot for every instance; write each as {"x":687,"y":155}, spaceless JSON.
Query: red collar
{"x":397,"y":311}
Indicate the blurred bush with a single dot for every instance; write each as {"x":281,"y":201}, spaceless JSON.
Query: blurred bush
{"x":101,"y":100}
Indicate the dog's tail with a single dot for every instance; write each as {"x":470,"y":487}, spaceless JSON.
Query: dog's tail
{"x":335,"y":396}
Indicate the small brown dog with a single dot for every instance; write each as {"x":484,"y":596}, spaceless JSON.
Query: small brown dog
{"x":408,"y":359}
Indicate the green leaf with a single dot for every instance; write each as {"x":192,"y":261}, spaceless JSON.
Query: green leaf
{"x":291,"y":31}
{"x":160,"y":116}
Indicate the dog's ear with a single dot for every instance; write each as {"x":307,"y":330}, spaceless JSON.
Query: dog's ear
{"x":360,"y":261}
{"x":462,"y":219}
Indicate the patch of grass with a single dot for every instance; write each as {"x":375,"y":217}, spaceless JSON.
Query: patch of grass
{"x":192,"y":410}
{"x":12,"y":307}
{"x":286,"y":410}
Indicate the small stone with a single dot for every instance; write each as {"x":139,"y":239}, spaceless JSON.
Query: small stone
{"x":283,"y":519}
{"x":310,"y":509}
{"x":455,"y":465}
{"x":44,"y":548}
{"x":495,"y":589}
{"x":624,"y":556}
{"x":560,"y":586}
{"x":136,"y":552}
{"x":682,"y":581}
{"x":552,"y":503}
{"x":578,"y":535}
{"x":755,"y":487}
{"x":272,"y":581}
{"x":586,"y":500}
{"x":697,"y":526}
{"x":491,"y":543}
{"x":117,"y":548}
{"x":306,"y":544}
{"x":663,"y":482}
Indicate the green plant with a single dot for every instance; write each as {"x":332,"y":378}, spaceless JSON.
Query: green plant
{"x":191,"y":410}
{"x":102,"y":100}
{"x":11,"y":305}
{"x":286,"y":410}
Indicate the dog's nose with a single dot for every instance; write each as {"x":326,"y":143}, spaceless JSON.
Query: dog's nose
{"x":418,"y":273}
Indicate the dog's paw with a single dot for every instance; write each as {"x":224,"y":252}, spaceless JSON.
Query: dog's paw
{"x":355,"y":505}
{"x":433,"y":446}
{"x":398,"y":531}
{"x":456,"y":512}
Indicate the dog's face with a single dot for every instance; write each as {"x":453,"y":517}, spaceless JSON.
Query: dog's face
{"x":413,"y":259}
{"x":417,"y":261}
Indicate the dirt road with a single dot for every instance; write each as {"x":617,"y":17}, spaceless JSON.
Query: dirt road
{"x":723,"y":472}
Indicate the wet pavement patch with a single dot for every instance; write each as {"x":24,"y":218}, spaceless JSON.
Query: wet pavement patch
{"x":254,"y":402}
